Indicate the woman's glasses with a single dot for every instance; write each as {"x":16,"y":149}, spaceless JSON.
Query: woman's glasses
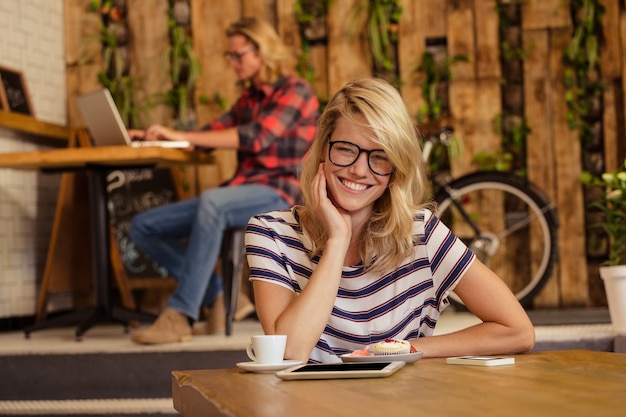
{"x":344,"y":154}
{"x":236,"y":55}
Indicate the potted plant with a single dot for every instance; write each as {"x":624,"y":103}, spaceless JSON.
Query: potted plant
{"x":612,"y":204}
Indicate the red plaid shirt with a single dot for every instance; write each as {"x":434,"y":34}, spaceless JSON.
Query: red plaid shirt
{"x":275,"y":131}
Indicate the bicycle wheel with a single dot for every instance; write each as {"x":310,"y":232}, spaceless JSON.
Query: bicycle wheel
{"x":508,"y":223}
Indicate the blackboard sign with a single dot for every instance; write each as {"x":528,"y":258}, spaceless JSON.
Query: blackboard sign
{"x":132,"y":191}
{"x":15,"y":96}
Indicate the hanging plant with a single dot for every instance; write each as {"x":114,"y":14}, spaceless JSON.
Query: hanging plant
{"x":434,"y":74}
{"x":514,"y":131}
{"x":581,"y":58}
{"x":311,"y":18}
{"x":510,"y":125}
{"x":115,"y":76}
{"x":509,"y":51}
{"x":184,"y":67}
{"x":381,"y":27}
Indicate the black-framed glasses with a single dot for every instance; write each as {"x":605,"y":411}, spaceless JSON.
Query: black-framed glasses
{"x":237,"y":55}
{"x":344,"y":154}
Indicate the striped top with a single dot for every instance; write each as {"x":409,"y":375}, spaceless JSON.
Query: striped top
{"x":403,"y":303}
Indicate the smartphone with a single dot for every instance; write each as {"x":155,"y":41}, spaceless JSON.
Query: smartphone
{"x":480,"y":361}
{"x":341,"y":370}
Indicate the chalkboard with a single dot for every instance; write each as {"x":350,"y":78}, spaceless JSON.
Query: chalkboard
{"x":130,"y":192}
{"x":15,"y":96}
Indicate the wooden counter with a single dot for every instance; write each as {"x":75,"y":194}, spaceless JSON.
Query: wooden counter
{"x":29,"y":124}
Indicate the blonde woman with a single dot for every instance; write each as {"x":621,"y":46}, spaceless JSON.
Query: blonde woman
{"x":271,"y":126}
{"x":364,"y":259}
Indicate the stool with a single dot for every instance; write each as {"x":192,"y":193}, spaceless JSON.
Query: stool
{"x":232,"y":258}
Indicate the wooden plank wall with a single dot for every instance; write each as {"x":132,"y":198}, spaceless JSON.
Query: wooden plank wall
{"x":553,"y":159}
{"x":468,"y":27}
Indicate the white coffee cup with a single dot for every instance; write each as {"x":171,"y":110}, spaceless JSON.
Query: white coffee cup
{"x":267,"y":349}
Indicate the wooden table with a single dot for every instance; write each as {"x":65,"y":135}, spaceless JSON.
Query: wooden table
{"x":108,"y":157}
{"x":554,"y":383}
{"x":97,"y":161}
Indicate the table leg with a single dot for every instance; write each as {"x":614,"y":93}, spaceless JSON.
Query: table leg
{"x":103,"y":311}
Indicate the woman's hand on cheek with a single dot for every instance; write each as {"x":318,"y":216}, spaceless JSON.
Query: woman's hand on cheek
{"x":318,"y":190}
{"x":336,"y":219}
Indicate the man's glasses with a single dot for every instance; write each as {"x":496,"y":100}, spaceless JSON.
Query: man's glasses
{"x":344,"y":154}
{"x":236,"y":55}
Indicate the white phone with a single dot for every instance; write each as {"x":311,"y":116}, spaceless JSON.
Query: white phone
{"x":341,"y":370}
{"x":480,"y":361}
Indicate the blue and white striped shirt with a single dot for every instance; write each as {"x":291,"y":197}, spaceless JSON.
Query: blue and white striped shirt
{"x":403,"y":303}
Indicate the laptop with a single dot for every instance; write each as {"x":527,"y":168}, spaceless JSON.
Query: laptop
{"x":106,"y":126}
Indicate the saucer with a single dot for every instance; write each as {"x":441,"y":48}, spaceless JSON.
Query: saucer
{"x":407,"y":358}
{"x":262,"y":367}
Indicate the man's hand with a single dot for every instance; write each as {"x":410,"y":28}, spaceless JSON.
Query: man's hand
{"x":136,"y":134}
{"x":158,"y":132}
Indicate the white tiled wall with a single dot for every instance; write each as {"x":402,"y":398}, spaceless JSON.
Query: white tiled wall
{"x":31,"y":41}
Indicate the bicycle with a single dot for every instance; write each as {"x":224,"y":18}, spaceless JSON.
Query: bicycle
{"x":506,"y":220}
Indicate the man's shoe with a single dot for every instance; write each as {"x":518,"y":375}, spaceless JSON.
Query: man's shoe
{"x":245,"y":307}
{"x":170,"y":327}
{"x":215,"y":317}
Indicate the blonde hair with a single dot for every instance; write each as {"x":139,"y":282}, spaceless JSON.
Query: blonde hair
{"x":377,"y":108}
{"x":277,"y":60}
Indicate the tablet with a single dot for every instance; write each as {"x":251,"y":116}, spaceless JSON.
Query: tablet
{"x":341,"y":370}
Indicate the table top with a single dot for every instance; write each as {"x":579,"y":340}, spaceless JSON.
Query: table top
{"x":553,"y":383}
{"x":104,"y":156}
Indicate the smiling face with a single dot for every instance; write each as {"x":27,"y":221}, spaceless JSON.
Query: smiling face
{"x":248,"y":65}
{"x":354,"y":188}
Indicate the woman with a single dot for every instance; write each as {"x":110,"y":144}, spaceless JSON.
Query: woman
{"x":271,"y":126}
{"x":364,"y":259}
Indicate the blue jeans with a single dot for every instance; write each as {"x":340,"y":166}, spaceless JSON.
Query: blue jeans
{"x":185,"y":237}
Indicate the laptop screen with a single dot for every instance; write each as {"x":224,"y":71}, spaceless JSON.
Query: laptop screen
{"x":106,"y":126}
{"x":102,"y":118}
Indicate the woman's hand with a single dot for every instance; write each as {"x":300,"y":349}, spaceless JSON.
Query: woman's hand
{"x":504,"y":326}
{"x":336,"y":220}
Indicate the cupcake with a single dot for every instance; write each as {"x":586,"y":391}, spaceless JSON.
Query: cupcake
{"x":390,"y":347}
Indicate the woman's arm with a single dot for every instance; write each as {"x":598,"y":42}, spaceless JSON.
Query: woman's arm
{"x":505,"y":326}
{"x":303,"y":318}
{"x":221,"y":139}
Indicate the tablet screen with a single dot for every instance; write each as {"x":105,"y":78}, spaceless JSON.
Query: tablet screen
{"x":341,"y":370}
{"x":342,"y":367}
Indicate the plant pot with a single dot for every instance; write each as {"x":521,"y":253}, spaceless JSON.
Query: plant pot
{"x":614,"y":278}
